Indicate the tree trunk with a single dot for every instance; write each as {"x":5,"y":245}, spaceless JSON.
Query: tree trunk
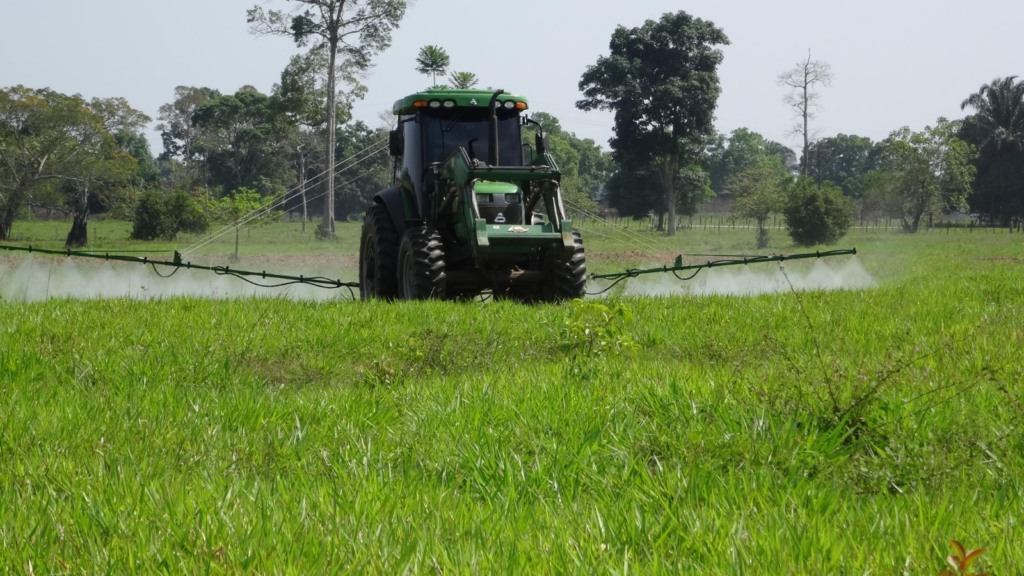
{"x":807,"y":137}
{"x":6,"y":221}
{"x":668,"y":178}
{"x":78,"y":236}
{"x":327,"y":227}
{"x":302,"y":191}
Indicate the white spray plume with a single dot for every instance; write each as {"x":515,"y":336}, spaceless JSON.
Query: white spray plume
{"x":31,"y":279}
{"x":754,"y":279}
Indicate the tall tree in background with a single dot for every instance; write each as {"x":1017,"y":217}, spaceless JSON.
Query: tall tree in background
{"x":432,"y":60}
{"x":661,"y":81}
{"x":355,"y":30}
{"x":802,"y":80}
{"x":997,"y":129}
{"x":463,"y":80}
{"x":179,"y":134}
{"x":302,"y":93}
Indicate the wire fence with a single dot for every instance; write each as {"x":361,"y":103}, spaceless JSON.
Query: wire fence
{"x":725,"y":222}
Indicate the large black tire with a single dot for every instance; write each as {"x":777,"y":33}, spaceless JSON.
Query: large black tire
{"x":567,"y":279}
{"x":378,"y":255}
{"x":421,"y":266}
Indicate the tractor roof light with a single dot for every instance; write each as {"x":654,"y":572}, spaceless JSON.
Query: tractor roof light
{"x":435,"y":103}
{"x":509,"y":104}
{"x":420,"y":104}
{"x":449,"y":103}
{"x":520,"y":105}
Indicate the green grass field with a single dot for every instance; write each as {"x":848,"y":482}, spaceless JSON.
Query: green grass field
{"x":811,"y":432}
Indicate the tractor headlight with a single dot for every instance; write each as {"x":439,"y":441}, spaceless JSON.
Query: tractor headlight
{"x":449,"y":104}
{"x":509,"y":104}
{"x":435,"y":103}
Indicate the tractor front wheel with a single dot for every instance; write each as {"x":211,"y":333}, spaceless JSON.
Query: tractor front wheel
{"x":421,"y":266}
{"x":567,"y":279}
{"x":378,"y":255}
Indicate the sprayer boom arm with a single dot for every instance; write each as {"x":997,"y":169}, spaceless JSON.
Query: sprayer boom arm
{"x":679,"y":267}
{"x":176,"y":263}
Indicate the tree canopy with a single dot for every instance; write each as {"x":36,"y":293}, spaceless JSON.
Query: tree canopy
{"x":924,"y":173}
{"x":661,"y":81}
{"x":997,"y":129}
{"x":54,"y":142}
{"x":432,"y":60}
{"x":844,"y":160}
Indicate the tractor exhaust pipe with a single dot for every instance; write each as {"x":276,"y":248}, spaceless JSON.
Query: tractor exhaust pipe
{"x":492,"y":153}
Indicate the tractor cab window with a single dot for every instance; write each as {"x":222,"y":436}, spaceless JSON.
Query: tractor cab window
{"x":446,"y":130}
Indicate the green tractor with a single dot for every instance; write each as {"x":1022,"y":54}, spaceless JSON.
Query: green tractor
{"x":475,"y":211}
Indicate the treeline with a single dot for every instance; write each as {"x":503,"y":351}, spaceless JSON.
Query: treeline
{"x":222,"y":153}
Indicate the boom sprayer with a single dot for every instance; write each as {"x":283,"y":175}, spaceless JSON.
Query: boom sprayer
{"x":473,"y":211}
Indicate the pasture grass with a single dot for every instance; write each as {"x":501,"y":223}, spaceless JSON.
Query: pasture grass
{"x":843,"y":432}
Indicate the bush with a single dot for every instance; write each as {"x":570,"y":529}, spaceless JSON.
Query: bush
{"x":817,"y":214}
{"x":165,"y":215}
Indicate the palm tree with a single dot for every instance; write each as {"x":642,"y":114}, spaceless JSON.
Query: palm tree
{"x":997,"y":129}
{"x":998,"y":122}
{"x":432,"y":60}
{"x":463,"y":79}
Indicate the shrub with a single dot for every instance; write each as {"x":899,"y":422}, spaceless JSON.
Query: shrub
{"x":817,"y":213}
{"x":165,"y":215}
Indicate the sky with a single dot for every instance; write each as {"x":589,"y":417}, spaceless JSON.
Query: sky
{"x":895,"y":62}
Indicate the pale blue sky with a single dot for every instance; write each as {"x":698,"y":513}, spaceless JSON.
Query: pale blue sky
{"x":895,"y":62}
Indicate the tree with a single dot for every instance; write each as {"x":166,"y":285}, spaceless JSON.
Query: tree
{"x":243,"y":140}
{"x":661,"y":81}
{"x":584,"y":166}
{"x":355,"y":30}
{"x":104,"y":175}
{"x":50,"y":141}
{"x":844,"y":160}
{"x":759,"y":190}
{"x":303,"y":89}
{"x":179,"y":135}
{"x":160,"y":214}
{"x":802,"y":80}
{"x":743,"y":149}
{"x":926,"y":172}
{"x":432,"y":60}
{"x":302,"y":92}
{"x":463,"y":80}
{"x":237,"y":205}
{"x":997,"y":129}
{"x":817,"y":213}
{"x":363,"y":176}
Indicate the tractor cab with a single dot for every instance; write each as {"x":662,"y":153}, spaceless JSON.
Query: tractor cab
{"x":436,"y":123}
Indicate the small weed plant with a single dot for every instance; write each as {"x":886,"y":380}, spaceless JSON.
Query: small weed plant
{"x":961,"y":559}
{"x":593,"y":330}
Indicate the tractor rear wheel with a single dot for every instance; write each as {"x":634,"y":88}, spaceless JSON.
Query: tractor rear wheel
{"x":378,"y":255}
{"x":567,"y":279}
{"x":421,"y":266}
